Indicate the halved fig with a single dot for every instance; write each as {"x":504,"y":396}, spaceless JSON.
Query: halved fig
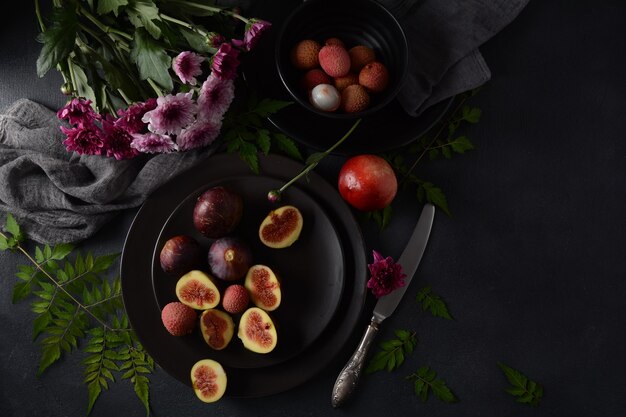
{"x":197,"y":290}
{"x":257,"y":331}
{"x":229,"y":258}
{"x":217,"y":212}
{"x":217,"y":328}
{"x":281,"y":228}
{"x":264,"y":287}
{"x":208,"y":380}
{"x":180,"y":254}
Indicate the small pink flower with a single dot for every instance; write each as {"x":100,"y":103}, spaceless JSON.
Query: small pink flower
{"x":117,"y":141}
{"x":386,"y":275}
{"x":78,"y":111}
{"x":130,"y":118}
{"x":254,"y":31}
{"x":85,"y":139}
{"x":202,"y":133}
{"x":187,"y":65}
{"x":172,"y":114}
{"x":214,"y":39}
{"x":225,"y":61}
{"x":215,"y":97}
{"x":153,"y":143}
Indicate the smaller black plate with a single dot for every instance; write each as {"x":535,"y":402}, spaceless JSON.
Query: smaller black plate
{"x":310,"y":295}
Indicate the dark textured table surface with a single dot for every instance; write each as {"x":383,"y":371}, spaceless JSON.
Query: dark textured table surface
{"x":531,"y":262}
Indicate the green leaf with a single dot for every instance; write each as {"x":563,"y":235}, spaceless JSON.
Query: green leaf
{"x":4,"y":243}
{"x":82,"y":84}
{"x":50,"y":353}
{"x":107,"y":6}
{"x":287,"y":145}
{"x":58,"y":39}
{"x":94,"y":392}
{"x":142,"y":391}
{"x":435,"y":196}
{"x":143,"y":14}
{"x":12,"y":226}
{"x":433,"y":303}
{"x":268,"y":106}
{"x":264,"y":141}
{"x":426,"y":380}
{"x":248,"y":153}
{"x":102,"y":263}
{"x":389,"y":358}
{"x":471,"y":114}
{"x":21,"y":290}
{"x":527,"y":391}
{"x":461,"y":144}
{"x":196,"y":41}
{"x":40,"y":323}
{"x":151,"y":60}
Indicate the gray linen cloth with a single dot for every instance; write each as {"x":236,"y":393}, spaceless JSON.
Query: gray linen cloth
{"x":443,"y":38}
{"x":58,"y":196}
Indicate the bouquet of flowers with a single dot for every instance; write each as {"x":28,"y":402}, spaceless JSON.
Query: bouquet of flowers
{"x":144,"y":76}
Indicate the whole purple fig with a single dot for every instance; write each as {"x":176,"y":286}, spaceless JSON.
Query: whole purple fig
{"x":229,"y":258}
{"x":180,"y":255}
{"x":217,"y":212}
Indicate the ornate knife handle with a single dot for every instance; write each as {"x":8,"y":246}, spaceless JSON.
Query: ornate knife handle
{"x":349,"y":376}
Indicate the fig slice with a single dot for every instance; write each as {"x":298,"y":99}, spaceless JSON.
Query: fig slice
{"x":217,"y":328}
{"x":281,"y":228}
{"x":197,"y":290}
{"x":208,"y":380}
{"x":264,"y":287}
{"x":257,"y":331}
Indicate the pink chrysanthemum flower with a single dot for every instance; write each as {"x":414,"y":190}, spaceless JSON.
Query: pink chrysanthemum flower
{"x":254,"y":31}
{"x":117,"y":142}
{"x":201,"y":133}
{"x":130,"y":118}
{"x":85,"y":139}
{"x":187,"y":65}
{"x":214,"y":39}
{"x":172,"y":114}
{"x":225,"y":62}
{"x":215,"y":98}
{"x":386,"y":275}
{"x":78,"y":111}
{"x":153,"y":143}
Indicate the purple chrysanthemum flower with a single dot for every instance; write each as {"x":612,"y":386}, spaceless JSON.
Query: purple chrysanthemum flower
{"x":85,"y":139}
{"x":187,"y":65}
{"x":130,"y":118}
{"x":153,"y":143}
{"x":201,"y":133}
{"x":172,"y":114}
{"x":215,"y":97}
{"x":225,"y":61}
{"x":254,"y":31}
{"x":117,"y":141}
{"x":214,"y":39}
{"x":386,"y":275}
{"x":78,"y":112}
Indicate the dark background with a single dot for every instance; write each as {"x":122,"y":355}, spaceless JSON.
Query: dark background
{"x":531,"y":262}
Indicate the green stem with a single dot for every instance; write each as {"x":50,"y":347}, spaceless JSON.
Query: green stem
{"x":42,"y":27}
{"x":181,"y":23}
{"x":312,"y":165}
{"x":155,"y":87}
{"x":70,"y":66}
{"x":106,"y":29}
{"x":218,"y":10}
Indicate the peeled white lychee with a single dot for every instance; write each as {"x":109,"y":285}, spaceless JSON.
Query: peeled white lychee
{"x":325,"y":97}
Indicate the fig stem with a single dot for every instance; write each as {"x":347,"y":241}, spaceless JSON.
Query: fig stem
{"x":318,"y":157}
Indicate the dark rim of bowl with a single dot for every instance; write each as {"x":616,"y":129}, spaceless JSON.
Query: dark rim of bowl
{"x":346,"y":116}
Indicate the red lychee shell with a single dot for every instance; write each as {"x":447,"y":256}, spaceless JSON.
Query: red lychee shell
{"x":236,"y":299}
{"x":335,"y":41}
{"x":314,"y":77}
{"x":178,"y":318}
{"x":360,"y":56}
{"x":342,"y":82}
{"x":334,"y":60}
{"x":374,"y":77}
{"x":305,"y":54}
{"x":354,"y":99}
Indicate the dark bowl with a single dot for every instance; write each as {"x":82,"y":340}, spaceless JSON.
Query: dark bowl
{"x":355,"y":22}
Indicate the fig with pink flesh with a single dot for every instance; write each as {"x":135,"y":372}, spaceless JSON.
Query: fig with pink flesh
{"x":264,"y":287}
{"x":197,"y":290}
{"x":257,"y":331}
{"x":217,"y":212}
{"x":180,"y":254}
{"x":217,"y":328}
{"x":229,"y":258}
{"x":208,"y":380}
{"x":281,"y":228}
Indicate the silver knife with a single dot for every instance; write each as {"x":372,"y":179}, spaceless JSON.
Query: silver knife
{"x":349,"y":376}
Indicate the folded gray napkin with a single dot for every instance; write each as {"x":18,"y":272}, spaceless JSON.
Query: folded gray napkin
{"x":443,"y":37}
{"x":58,"y":196}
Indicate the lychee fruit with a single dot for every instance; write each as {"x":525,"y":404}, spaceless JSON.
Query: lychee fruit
{"x":178,"y":318}
{"x":360,"y":56}
{"x":325,"y":97}
{"x":236,"y":299}
{"x":374,"y":76}
{"x":305,"y":54}
{"x":334,"y":60}
{"x":342,"y":82}
{"x":354,"y":98}
{"x":335,"y":41}
{"x":314,"y":77}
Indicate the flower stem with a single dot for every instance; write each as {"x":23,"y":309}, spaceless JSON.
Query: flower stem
{"x":42,"y":27}
{"x":155,"y":87}
{"x":106,"y":29}
{"x":218,"y":10}
{"x":181,"y":23}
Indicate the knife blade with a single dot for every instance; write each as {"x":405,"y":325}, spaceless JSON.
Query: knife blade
{"x":410,"y":259}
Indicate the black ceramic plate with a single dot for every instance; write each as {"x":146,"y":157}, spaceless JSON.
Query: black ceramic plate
{"x":387,"y":129}
{"x":173,"y":353}
{"x":310,"y":271}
